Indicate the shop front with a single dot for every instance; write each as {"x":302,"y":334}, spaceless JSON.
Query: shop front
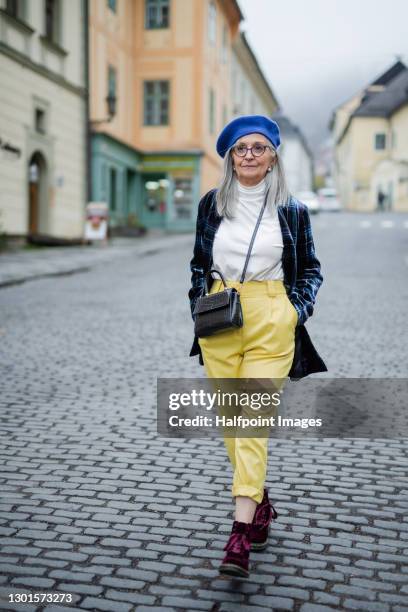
{"x":116,"y":180}
{"x":170,"y":188}
{"x":149,"y":190}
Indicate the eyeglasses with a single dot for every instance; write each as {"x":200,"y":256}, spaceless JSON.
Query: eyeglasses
{"x":257,"y":149}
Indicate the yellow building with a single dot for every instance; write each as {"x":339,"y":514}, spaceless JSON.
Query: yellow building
{"x":169,"y":65}
{"x":371,"y":145}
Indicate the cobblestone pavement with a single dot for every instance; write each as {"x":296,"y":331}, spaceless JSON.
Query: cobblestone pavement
{"x":94,"y":503}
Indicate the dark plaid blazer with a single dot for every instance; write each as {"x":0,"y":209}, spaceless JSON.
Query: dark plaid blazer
{"x":301,"y":271}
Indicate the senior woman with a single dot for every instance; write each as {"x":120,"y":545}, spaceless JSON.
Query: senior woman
{"x":277,"y":296}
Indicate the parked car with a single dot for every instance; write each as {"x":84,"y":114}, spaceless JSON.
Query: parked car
{"x":310,"y":199}
{"x":328,"y":199}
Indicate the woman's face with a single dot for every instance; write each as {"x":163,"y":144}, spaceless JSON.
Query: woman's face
{"x":251,"y":169}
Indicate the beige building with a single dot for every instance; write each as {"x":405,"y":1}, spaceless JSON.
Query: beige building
{"x":177,"y":69}
{"x":251,"y":94}
{"x":42,"y":118}
{"x":371,"y":145}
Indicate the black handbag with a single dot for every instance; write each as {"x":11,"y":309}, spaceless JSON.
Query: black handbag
{"x":222,"y":311}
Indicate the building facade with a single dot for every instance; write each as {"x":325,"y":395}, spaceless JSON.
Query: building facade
{"x":251,"y":94}
{"x":42,"y":118}
{"x":172,"y":66}
{"x":296,"y":155}
{"x":371,"y":144}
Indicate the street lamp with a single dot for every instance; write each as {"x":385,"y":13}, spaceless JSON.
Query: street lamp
{"x":111,"y":103}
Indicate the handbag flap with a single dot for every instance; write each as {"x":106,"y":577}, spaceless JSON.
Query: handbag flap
{"x":213,"y":301}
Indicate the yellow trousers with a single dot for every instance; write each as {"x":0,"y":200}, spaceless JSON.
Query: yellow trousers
{"x":262,"y":348}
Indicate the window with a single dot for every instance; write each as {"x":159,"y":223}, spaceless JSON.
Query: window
{"x":379,"y":141}
{"x":52,"y":20}
{"x":112,"y":5}
{"x":15,"y":8}
{"x":212,"y":23}
{"x":111,"y":81}
{"x":212,"y":111}
{"x":234,"y":83}
{"x":112,"y":189}
{"x":393,"y":139}
{"x":224,"y":115}
{"x":156,"y":103}
{"x":39,"y":120}
{"x":12,"y":8}
{"x":156,"y":14}
{"x":242,"y":98}
{"x":111,"y":94}
{"x":156,"y":194}
{"x":224,"y":47}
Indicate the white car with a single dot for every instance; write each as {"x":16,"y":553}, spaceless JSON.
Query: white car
{"x":328,"y":199}
{"x":310,"y":199}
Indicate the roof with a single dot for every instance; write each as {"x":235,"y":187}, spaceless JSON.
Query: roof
{"x":381,"y":80}
{"x":238,"y":8}
{"x":385,"y":103}
{"x":258,"y":68}
{"x":234,"y":6}
{"x":390,"y":74}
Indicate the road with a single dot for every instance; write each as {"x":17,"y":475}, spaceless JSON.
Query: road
{"x":94,"y":503}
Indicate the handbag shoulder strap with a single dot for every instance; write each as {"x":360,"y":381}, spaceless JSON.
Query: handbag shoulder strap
{"x":253,"y":238}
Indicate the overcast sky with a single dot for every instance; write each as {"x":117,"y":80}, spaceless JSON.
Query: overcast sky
{"x":317,"y":53}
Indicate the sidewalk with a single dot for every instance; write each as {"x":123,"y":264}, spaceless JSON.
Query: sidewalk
{"x":28,"y":264}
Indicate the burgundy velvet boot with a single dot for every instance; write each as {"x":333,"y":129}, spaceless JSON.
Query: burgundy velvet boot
{"x":264,"y":514}
{"x":236,"y":560}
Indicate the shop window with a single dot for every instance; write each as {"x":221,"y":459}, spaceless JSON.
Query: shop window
{"x":156,"y":189}
{"x":183,"y":198}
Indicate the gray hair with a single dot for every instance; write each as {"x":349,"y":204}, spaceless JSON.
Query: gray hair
{"x":276,"y":186}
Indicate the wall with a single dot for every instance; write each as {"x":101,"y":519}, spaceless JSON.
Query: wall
{"x":28,"y":81}
{"x":112,"y":42}
{"x":297,"y":165}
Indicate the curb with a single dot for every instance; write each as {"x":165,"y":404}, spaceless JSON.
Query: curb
{"x":154,"y":247}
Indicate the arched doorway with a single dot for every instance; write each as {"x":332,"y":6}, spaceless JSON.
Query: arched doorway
{"x":37,"y":195}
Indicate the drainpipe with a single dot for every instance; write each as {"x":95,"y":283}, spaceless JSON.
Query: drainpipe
{"x":87,"y":117}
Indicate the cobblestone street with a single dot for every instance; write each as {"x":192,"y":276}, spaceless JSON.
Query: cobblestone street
{"x":96,"y":504}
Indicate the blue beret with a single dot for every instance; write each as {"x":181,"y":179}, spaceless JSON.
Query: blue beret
{"x":247,"y":124}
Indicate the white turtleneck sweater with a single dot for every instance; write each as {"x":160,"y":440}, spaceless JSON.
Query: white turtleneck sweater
{"x":233,"y":236}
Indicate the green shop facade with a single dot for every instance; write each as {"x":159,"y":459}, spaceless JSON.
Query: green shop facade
{"x":151,"y":190}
